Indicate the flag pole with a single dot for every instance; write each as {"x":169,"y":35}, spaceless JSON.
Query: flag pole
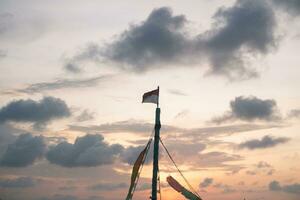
{"x":156,"y":151}
{"x":158,"y":97}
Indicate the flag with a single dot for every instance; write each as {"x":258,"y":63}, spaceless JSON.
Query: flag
{"x":135,"y":170}
{"x":179,"y":188}
{"x":151,"y":97}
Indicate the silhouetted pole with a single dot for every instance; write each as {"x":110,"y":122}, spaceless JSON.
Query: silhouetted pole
{"x":155,"y":154}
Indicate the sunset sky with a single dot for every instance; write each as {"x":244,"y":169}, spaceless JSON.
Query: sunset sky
{"x":72,"y":76}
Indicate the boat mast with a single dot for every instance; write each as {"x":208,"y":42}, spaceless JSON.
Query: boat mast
{"x":156,"y":152}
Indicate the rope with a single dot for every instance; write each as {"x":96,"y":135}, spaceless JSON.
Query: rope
{"x":186,"y":181}
{"x":159,"y":187}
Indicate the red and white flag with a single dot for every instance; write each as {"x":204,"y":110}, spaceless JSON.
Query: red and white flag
{"x":151,"y":97}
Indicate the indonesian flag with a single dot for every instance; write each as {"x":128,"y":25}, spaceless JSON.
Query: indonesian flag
{"x":151,"y":97}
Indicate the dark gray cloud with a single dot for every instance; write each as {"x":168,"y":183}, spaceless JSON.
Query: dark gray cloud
{"x":274,"y":186}
{"x":63,"y":84}
{"x":206,"y":182}
{"x":163,"y":40}
{"x":87,"y":151}
{"x":130,"y":154}
{"x":236,"y":32}
{"x":158,"y":39}
{"x":265,"y":142}
{"x":291,"y":188}
{"x":108,"y":186}
{"x":7,"y":136}
{"x":24,"y":151}
{"x":20,"y":182}
{"x":38,"y":112}
{"x":249,"y":109}
{"x":291,"y":6}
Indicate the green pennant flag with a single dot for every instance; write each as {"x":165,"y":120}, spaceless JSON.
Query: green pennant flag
{"x":135,"y":170}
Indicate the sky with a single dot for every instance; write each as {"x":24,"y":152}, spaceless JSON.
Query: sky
{"x":72,"y":76}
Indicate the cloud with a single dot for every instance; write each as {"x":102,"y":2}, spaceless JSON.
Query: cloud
{"x":19,"y":27}
{"x":236,"y":33}
{"x":249,"y":109}
{"x":263,"y":164}
{"x":63,"y":84}
{"x":85,"y":115}
{"x":291,"y":6}
{"x":252,"y":173}
{"x":182,"y":114}
{"x":68,"y":188}
{"x":130,"y":154}
{"x":2,"y":54}
{"x":145,"y":186}
{"x":225,"y":188}
{"x":87,"y":151}
{"x":265,"y":142}
{"x":206,"y":182}
{"x":144,"y":128}
{"x":182,"y":148}
{"x":292,"y":188}
{"x":7,"y":136}
{"x":158,"y":39}
{"x":38,"y":112}
{"x":211,"y":160}
{"x":295,"y":113}
{"x":108,"y":186}
{"x":70,"y":197}
{"x":133,"y":126}
{"x":261,"y":168}
{"x":162,"y":40}
{"x":20,"y":182}
{"x":60,"y":197}
{"x":177,"y":92}
{"x":5,"y":22}
{"x":216,"y":159}
{"x":24,"y":151}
